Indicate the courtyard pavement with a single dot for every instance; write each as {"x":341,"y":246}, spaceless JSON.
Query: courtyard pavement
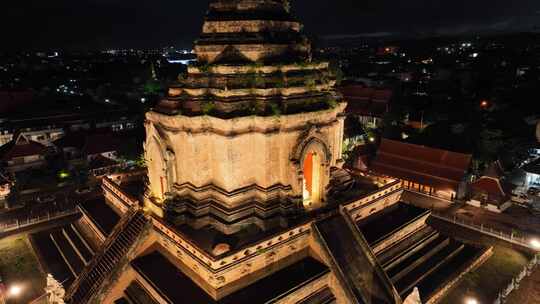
{"x":515,"y":219}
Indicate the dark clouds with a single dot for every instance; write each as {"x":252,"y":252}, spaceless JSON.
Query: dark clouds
{"x":150,"y":23}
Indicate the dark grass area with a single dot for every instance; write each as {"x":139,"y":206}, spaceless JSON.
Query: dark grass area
{"x":101,"y":214}
{"x":486,"y":281}
{"x":19,"y":266}
{"x":179,"y":288}
{"x":440,"y":277}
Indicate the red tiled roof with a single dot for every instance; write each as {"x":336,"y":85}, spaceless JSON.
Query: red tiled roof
{"x":429,"y":166}
{"x":366,"y":101}
{"x":21,"y":147}
{"x":489,"y":185}
{"x":90,"y":143}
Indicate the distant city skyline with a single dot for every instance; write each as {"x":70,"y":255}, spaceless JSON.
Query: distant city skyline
{"x":102,"y":24}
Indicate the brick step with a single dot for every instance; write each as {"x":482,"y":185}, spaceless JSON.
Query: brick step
{"x":428,"y":267}
{"x":408,"y":247}
{"x":70,"y":256}
{"x":405,"y":266}
{"x":322,"y":296}
{"x":84,"y":253}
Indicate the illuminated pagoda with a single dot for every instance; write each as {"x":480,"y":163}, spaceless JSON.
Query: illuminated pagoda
{"x":245,"y":200}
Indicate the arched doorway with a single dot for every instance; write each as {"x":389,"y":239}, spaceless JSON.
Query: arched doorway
{"x":311,"y":182}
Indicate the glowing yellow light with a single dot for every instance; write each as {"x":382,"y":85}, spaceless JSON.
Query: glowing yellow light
{"x":471,"y":301}
{"x":484,"y":103}
{"x":535,"y":244}
{"x":63,"y":174}
{"x":371,"y":139}
{"x":14,"y":291}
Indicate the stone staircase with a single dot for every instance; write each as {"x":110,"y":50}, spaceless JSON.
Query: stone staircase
{"x":115,"y":248}
{"x":73,"y":248}
{"x":323,"y":296}
{"x":353,"y":261}
{"x":415,"y":256}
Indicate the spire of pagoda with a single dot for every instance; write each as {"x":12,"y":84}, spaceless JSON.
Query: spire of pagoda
{"x":252,"y":59}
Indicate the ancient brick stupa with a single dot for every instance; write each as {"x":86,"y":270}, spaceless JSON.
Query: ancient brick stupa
{"x":253,"y":128}
{"x":245,"y":200}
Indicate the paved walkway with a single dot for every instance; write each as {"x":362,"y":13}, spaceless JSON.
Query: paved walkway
{"x":528,"y":291}
{"x":515,"y":219}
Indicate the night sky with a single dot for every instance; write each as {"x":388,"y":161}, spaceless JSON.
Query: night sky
{"x":100,"y":24}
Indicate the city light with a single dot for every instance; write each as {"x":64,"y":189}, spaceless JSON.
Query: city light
{"x":14,"y":290}
{"x":372,"y":139}
{"x":535,"y":243}
{"x":484,"y":103}
{"x":63,"y":174}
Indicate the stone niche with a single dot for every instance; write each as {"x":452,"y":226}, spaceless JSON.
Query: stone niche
{"x":240,"y":160}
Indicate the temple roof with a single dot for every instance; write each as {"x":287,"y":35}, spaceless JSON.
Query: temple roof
{"x":492,"y":186}
{"x":21,"y":146}
{"x":89,"y":143}
{"x":425,"y":165}
{"x":366,"y":101}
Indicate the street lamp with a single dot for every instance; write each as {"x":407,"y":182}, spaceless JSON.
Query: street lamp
{"x":535,"y":243}
{"x":471,"y":301}
{"x":14,"y":290}
{"x":484,"y":104}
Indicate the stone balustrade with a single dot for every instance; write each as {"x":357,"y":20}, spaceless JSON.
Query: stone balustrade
{"x":116,"y":196}
{"x":235,"y":265}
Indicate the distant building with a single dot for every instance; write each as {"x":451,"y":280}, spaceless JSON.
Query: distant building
{"x":368,"y":104}
{"x":22,"y":153}
{"x":423,"y":169}
{"x":45,"y":129}
{"x":5,"y":187}
{"x":83,"y":145}
{"x":532,"y":174}
{"x":491,"y":191}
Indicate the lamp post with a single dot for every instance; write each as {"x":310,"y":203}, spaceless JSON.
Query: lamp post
{"x":14,"y":292}
{"x":535,"y":243}
{"x":471,"y":301}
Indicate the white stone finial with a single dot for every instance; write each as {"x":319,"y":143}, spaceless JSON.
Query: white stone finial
{"x":413,"y":298}
{"x":54,"y":290}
